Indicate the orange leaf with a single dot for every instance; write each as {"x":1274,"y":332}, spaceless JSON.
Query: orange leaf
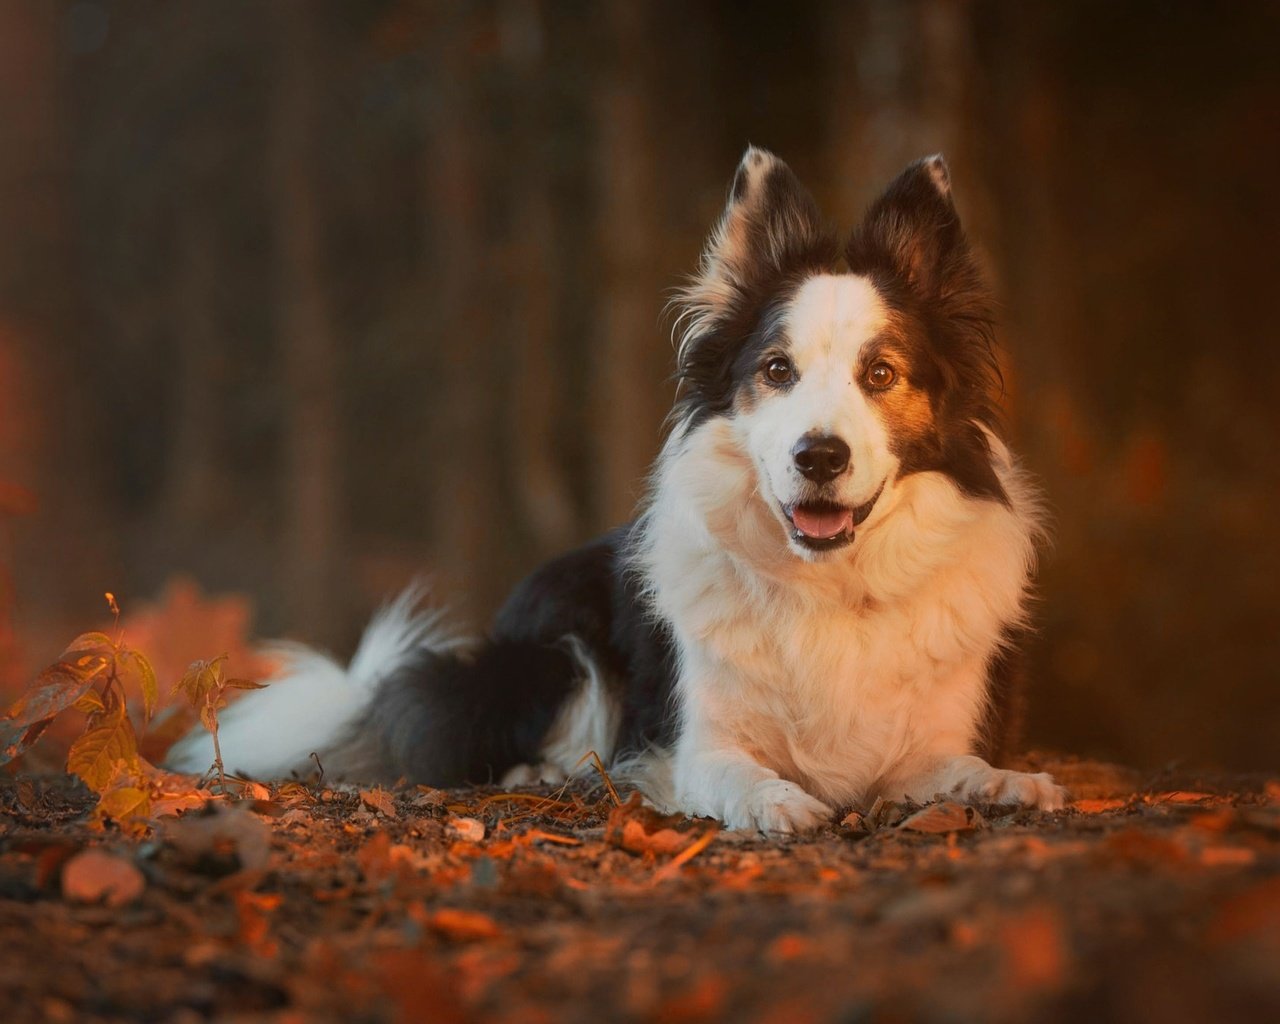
{"x":380,"y":800}
{"x":463,"y":925}
{"x":944,"y":816}
{"x":1098,"y":806}
{"x":96,"y":876}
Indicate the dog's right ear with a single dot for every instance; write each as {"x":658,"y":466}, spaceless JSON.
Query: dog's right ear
{"x":770,"y":229}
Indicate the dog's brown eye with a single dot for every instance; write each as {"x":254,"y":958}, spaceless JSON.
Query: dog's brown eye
{"x":778,"y":370}
{"x":881,"y":375}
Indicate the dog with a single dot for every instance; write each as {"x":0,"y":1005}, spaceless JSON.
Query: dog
{"x":821,"y":599}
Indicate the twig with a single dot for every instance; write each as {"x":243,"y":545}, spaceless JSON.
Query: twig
{"x":687,"y":854}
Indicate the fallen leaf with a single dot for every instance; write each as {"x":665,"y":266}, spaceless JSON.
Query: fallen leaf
{"x":463,"y":925}
{"x":380,"y":800}
{"x":637,"y":828}
{"x":428,"y":797}
{"x":96,"y":876}
{"x":222,"y":831}
{"x":944,"y":816}
{"x":1035,"y":948}
{"x":1254,"y":913}
{"x":1227,"y":856}
{"x":1182,"y":797}
{"x":255,"y":791}
{"x":1098,"y":806}
{"x":125,"y":804}
{"x":169,"y":804}
{"x":469,"y":829}
{"x":665,"y":841}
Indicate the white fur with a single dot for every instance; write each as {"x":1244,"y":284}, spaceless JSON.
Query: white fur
{"x":312,"y":701}
{"x":810,"y":683}
{"x":828,"y":323}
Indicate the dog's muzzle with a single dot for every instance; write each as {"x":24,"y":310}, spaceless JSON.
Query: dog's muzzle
{"x":825,"y":525}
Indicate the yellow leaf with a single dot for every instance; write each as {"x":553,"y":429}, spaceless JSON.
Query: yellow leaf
{"x":99,"y":754}
{"x":134,"y":664}
{"x":90,"y":702}
{"x":244,"y":684}
{"x":200,"y":678}
{"x":125,"y":802}
{"x":90,"y":643}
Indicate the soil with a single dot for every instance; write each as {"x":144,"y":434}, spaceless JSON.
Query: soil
{"x":1148,"y":899}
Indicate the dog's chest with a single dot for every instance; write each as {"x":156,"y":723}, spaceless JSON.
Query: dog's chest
{"x":837,"y":698}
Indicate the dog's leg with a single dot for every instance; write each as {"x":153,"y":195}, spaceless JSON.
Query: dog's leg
{"x":971,"y":779}
{"x":715,"y":777}
{"x":728,"y":784}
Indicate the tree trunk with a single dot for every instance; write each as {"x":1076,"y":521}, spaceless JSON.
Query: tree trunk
{"x":469,"y":518}
{"x":308,"y":346}
{"x":630,"y":299}
{"x":536,"y":392}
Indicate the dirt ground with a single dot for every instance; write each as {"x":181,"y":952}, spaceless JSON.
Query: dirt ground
{"x":1149,"y":899}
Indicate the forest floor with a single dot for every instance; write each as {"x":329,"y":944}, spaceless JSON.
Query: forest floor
{"x":1149,"y":899}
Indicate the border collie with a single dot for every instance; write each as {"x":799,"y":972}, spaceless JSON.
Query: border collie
{"x":820,"y":599}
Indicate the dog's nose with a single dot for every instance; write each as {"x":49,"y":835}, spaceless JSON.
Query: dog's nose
{"x":821,"y":457}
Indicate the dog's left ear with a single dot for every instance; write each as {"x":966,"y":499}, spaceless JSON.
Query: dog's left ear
{"x":913,"y":230}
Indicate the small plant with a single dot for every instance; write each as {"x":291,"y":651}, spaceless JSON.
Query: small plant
{"x":91,"y":677}
{"x":206,"y":689}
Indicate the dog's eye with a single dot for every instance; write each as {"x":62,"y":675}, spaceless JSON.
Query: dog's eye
{"x":881,"y":375}
{"x":778,"y":370}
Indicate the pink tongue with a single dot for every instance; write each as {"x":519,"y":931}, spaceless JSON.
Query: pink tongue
{"x":821,"y":523}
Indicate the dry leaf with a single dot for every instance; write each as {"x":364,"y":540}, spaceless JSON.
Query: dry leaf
{"x":125,"y":804}
{"x":1182,"y":797}
{"x":1227,"y":857}
{"x":664,"y":842}
{"x":467,"y":828}
{"x":1035,"y":948}
{"x":380,"y":800}
{"x":1098,"y":806}
{"x":463,"y":925}
{"x":638,"y":828}
{"x":96,"y":876}
{"x":225,"y":830}
{"x":944,"y":816}
{"x":428,"y":797}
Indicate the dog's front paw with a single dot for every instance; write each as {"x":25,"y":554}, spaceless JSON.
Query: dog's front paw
{"x":990,"y":785}
{"x":779,"y":807}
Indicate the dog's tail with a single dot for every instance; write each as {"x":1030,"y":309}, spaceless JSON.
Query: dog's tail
{"x":417,"y":701}
{"x":313,"y":703}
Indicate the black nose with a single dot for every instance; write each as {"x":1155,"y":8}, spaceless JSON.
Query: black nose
{"x":821,"y":457}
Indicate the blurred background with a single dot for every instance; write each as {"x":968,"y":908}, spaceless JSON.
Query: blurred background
{"x":299,"y":300}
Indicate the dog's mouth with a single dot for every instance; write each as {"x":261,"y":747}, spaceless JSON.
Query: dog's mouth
{"x":825,"y":525}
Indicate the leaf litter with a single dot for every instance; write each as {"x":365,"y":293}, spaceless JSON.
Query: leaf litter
{"x":309,"y":900}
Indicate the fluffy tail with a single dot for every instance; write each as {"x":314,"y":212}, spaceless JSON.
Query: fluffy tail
{"x":314,"y":704}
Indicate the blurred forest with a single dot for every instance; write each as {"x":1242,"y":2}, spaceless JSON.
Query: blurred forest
{"x":301,"y":300}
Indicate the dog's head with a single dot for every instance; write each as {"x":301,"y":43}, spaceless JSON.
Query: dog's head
{"x":843,"y":369}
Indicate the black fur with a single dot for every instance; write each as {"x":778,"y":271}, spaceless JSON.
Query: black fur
{"x":447,"y":719}
{"x":786,"y":241}
{"x":913,"y":248}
